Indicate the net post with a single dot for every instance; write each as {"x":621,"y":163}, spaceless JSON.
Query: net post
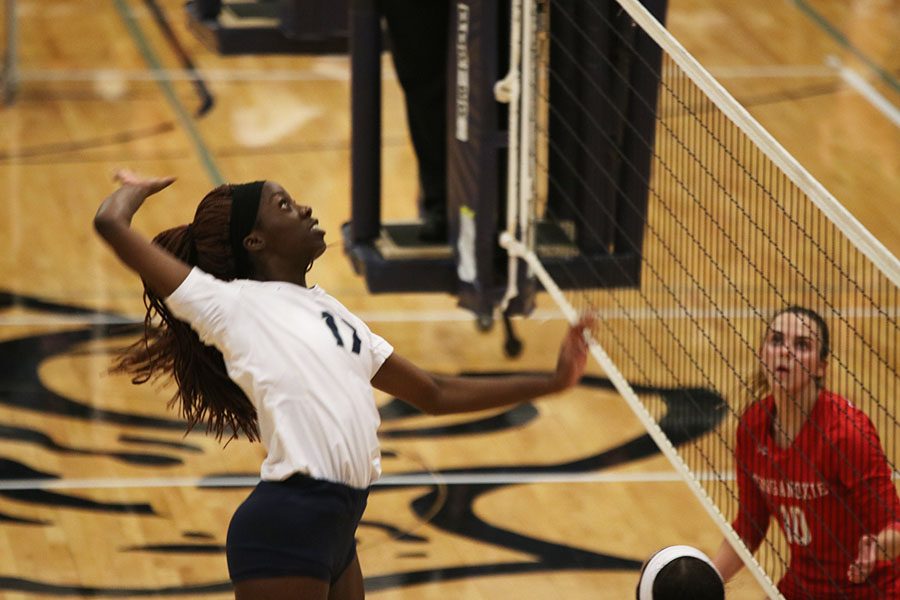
{"x":526,"y":128}
{"x":508,"y":90}
{"x":365,"y":64}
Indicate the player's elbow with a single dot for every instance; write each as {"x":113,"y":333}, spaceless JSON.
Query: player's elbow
{"x":752,"y":535}
{"x":102,"y":225}
{"x":105,"y":226}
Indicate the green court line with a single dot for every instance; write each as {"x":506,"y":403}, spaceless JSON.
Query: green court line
{"x":181,"y":112}
{"x":841,"y":39}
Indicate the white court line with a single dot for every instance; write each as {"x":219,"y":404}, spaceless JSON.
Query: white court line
{"x":208,"y":75}
{"x":385,"y":481}
{"x":772,"y":71}
{"x":460,"y":315}
{"x":340,"y":74}
{"x":31,"y":321}
{"x":390,"y":316}
{"x":865,"y":89}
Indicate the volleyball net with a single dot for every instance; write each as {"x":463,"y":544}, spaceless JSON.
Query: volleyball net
{"x":684,"y":226}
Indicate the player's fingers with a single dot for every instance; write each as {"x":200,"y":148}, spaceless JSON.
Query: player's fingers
{"x":858,"y":573}
{"x":578,"y":330}
{"x":162,"y":183}
{"x":586,"y":321}
{"x":123,"y":175}
{"x":860,"y":569}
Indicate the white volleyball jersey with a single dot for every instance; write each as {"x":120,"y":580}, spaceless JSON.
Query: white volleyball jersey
{"x":306,"y":363}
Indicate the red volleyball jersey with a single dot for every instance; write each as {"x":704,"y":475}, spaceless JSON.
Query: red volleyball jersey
{"x":831,"y":486}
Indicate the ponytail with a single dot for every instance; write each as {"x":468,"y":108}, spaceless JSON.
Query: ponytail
{"x":169,"y":347}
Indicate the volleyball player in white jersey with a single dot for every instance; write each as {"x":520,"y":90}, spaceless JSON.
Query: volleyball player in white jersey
{"x":256,"y":351}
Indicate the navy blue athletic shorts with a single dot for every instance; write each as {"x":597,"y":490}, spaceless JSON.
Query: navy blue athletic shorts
{"x":297,"y":527}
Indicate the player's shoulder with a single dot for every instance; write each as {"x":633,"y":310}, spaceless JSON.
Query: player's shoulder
{"x":199,"y":285}
{"x":840,"y":417}
{"x":756,"y":418}
{"x":834,"y":407}
{"x":758,"y":413}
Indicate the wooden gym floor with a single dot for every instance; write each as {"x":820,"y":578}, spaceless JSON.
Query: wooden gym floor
{"x":100,"y":492}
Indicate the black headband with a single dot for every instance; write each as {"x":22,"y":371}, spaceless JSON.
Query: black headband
{"x":245,"y":199}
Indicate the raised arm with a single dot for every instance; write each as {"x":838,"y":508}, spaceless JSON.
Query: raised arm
{"x":158,"y":268}
{"x":438,"y":394}
{"x":751,"y":524}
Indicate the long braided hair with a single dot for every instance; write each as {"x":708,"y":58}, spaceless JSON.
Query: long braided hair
{"x":170,"y":348}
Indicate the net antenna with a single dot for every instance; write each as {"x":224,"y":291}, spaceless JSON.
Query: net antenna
{"x":685,"y":226}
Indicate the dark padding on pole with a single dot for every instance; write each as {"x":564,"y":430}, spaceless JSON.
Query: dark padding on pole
{"x":365,"y":108}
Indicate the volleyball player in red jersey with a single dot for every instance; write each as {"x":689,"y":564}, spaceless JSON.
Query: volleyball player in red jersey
{"x":808,"y":458}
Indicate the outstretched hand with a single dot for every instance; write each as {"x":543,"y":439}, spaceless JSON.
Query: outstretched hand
{"x":573,"y":353}
{"x":120,"y":206}
{"x":161,"y":271}
{"x":148,"y":185}
{"x":860,"y":569}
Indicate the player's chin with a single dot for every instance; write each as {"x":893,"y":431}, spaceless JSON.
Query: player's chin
{"x":320,"y":248}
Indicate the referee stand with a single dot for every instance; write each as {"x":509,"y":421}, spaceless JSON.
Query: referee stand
{"x":606,"y":192}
